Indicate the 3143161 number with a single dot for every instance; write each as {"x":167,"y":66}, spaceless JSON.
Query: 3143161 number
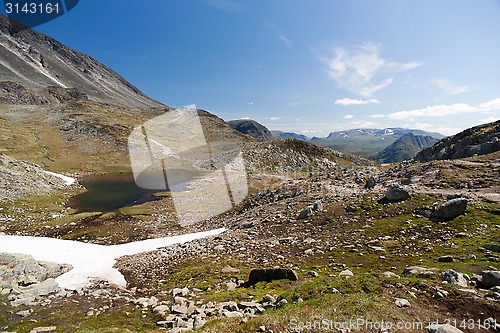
{"x":32,"y":8}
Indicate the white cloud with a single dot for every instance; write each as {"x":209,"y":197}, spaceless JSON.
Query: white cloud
{"x":449,"y":87}
{"x":309,"y":131}
{"x":491,"y":105}
{"x":443,"y":110}
{"x":288,"y":43}
{"x":489,"y":120}
{"x":274,"y":118}
{"x":364,"y":124}
{"x":250,"y":103}
{"x":245,"y":118}
{"x":348,"y":116}
{"x":349,"y":101}
{"x":360,"y":70}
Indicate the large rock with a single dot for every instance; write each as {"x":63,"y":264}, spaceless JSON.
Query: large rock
{"x":490,"y":279}
{"x":21,"y":267}
{"x":397,"y":192}
{"x":453,"y":277}
{"x":307,"y":212}
{"x":416,"y":270}
{"x":450,"y":210}
{"x":370,"y":183}
{"x":268,"y":275}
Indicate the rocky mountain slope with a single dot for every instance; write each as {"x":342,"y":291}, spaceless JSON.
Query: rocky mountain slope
{"x":37,"y":62}
{"x":251,"y":128}
{"x":405,"y":148}
{"x":478,"y":140}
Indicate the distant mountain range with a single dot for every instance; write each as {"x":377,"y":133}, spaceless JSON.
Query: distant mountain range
{"x":405,"y":148}
{"x":289,"y":135}
{"x":388,"y":145}
{"x":367,"y":142}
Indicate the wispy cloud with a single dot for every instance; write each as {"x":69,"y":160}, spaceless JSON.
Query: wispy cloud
{"x":443,"y":110}
{"x":364,"y":124}
{"x":362,"y":70}
{"x":350,"y":101}
{"x":226,"y":5}
{"x":348,"y":116}
{"x":288,"y":43}
{"x":279,"y":33}
{"x":297,"y":101}
{"x":449,"y":87}
{"x":274,"y":118}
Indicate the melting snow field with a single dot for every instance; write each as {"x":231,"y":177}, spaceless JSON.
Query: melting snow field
{"x":88,"y":260}
{"x":67,"y":180}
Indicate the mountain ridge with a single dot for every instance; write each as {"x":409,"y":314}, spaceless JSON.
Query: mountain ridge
{"x":37,"y":61}
{"x":478,"y":140}
{"x":405,"y":148}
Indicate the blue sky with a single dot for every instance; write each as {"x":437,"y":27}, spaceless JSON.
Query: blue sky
{"x":310,"y":67}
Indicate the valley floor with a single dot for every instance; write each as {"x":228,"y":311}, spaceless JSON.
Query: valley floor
{"x":360,"y":261}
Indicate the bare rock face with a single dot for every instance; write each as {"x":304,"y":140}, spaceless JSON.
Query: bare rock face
{"x":479,"y":140}
{"x":45,"y":62}
{"x":450,"y":210}
{"x":268,"y":275}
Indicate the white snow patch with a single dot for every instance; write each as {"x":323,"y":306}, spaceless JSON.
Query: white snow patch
{"x":67,"y":180}
{"x":89,"y":261}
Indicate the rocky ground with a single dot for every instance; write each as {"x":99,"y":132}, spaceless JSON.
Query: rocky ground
{"x":343,"y":242}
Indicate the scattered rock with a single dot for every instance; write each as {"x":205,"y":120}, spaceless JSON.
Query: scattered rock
{"x":268,"y":299}
{"x":347,"y":273}
{"x":402,"y":303}
{"x":450,"y":210}
{"x":180,"y":292}
{"x":397,"y":192}
{"x":231,"y":286}
{"x":445,"y":259}
{"x":161,"y":310}
{"x":492,"y":247}
{"x":490,"y":279}
{"x":268,"y":275}
{"x":351,"y":209}
{"x":453,"y":277}
{"x":391,"y":275}
{"x":307,"y":212}
{"x":416,"y":270}
{"x":24,"y":313}
{"x":318,"y":206}
{"x":229,"y":269}
{"x":43,"y":329}
{"x":281,"y":303}
{"x":370,"y":183}
{"x":247,"y":225}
